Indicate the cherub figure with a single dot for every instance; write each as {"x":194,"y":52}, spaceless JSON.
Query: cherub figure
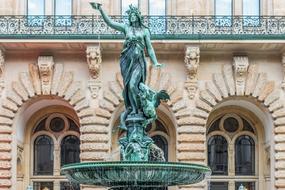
{"x":150,"y":100}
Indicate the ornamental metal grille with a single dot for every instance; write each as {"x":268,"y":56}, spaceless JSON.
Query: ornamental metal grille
{"x":161,"y":27}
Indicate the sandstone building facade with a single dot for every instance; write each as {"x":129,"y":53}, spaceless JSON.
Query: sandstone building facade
{"x":61,"y":89}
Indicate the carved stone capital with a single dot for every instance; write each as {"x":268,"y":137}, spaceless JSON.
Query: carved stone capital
{"x":2,"y":62}
{"x":45,"y":65}
{"x":192,"y":61}
{"x":94,"y":60}
{"x":240,"y":66}
{"x":94,"y":87}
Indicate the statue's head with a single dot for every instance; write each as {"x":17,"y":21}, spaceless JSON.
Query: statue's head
{"x":134,"y":15}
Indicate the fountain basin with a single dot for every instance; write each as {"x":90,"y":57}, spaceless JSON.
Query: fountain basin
{"x":124,"y":174}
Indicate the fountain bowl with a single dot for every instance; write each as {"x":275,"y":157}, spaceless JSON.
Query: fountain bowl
{"x":122,"y":174}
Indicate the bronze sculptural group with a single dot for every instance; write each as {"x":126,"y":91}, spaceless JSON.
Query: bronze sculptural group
{"x":140,"y":101}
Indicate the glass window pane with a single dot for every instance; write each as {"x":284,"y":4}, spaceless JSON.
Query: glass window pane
{"x":69,"y":186}
{"x":223,"y":12}
{"x":70,"y":150}
{"x":157,"y":7}
{"x":218,"y":155}
{"x":157,"y":23}
{"x":63,"y":7}
{"x":219,"y":186}
{"x":43,"y":155}
{"x":63,"y":11}
{"x":245,"y":156}
{"x":247,"y":185}
{"x":161,"y":142}
{"x":126,"y":3}
{"x":215,"y":126}
{"x":231,"y":124}
{"x":36,"y":7}
{"x":251,"y":7}
{"x":251,"y":12}
{"x":43,"y":186}
{"x":223,"y":7}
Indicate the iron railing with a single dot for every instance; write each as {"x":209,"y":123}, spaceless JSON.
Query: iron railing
{"x":161,"y":27}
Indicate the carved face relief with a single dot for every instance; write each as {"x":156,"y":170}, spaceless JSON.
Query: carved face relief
{"x":94,"y":60}
{"x":192,"y":59}
{"x":241,"y":64}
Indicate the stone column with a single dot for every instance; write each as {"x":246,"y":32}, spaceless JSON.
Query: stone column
{"x":191,"y":129}
{"x":94,"y":129}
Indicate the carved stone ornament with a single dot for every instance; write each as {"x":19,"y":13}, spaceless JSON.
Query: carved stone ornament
{"x":45,"y":65}
{"x":94,"y":87}
{"x":240,"y":65}
{"x":94,"y":59}
{"x":283,"y":64}
{"x":192,"y":61}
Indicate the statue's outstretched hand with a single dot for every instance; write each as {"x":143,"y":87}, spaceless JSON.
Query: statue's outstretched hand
{"x":96,"y":6}
{"x":159,"y":65}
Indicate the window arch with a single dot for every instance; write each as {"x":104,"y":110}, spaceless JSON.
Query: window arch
{"x":232,"y":152}
{"x":244,"y":155}
{"x":218,"y":155}
{"x":69,"y":150}
{"x":43,"y":155}
{"x":56,"y":144}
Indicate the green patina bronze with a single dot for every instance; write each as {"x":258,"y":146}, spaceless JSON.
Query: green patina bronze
{"x":140,"y":101}
{"x":143,"y":166}
{"x":138,"y":175}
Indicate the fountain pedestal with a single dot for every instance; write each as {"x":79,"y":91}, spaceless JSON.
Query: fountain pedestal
{"x":135,"y":145}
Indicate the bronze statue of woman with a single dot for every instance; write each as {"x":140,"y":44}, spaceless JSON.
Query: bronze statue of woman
{"x":140,"y":101}
{"x":132,"y":60}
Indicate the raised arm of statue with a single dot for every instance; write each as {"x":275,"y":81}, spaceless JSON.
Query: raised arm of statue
{"x":107,"y":19}
{"x":150,"y":50}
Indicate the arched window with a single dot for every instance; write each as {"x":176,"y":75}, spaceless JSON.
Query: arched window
{"x":245,"y":156}
{"x":231,"y":153}
{"x":162,"y":143}
{"x":125,"y":5}
{"x":70,"y":150}
{"x":43,"y":155}
{"x":56,"y":144}
{"x":218,"y":155}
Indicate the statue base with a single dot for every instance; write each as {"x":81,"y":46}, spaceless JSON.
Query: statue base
{"x":135,"y":145}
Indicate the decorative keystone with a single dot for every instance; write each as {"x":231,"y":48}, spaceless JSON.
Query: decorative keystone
{"x":192,"y":61}
{"x":45,"y":65}
{"x":240,"y":66}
